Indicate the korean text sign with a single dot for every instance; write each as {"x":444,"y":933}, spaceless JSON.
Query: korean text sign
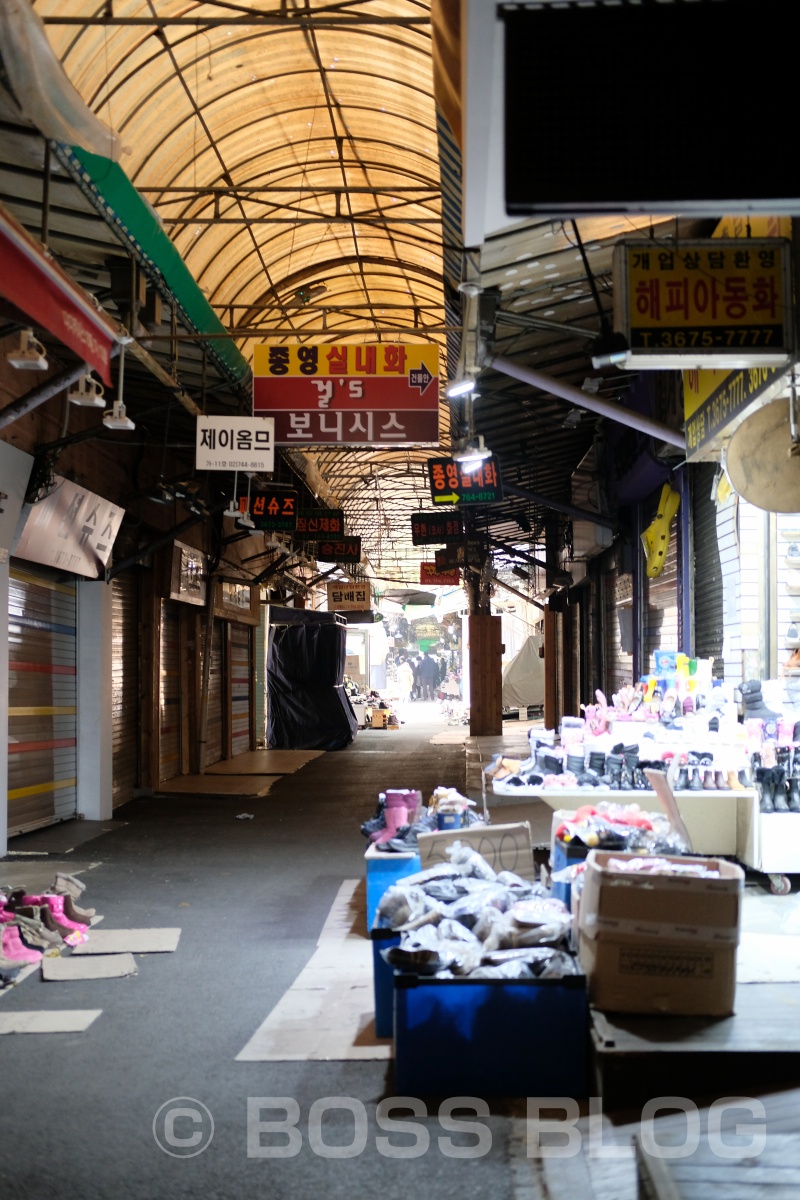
{"x":379,"y":395}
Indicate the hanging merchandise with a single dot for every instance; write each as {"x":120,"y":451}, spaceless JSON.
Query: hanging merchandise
{"x":655,"y":539}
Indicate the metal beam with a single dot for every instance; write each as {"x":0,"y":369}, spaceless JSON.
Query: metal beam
{"x":332,"y":219}
{"x":300,"y":20}
{"x":591,"y":403}
{"x":299,"y":331}
{"x":51,"y":387}
{"x":291,"y":189}
{"x":515,"y":592}
{"x":537,"y":562}
{"x":569,"y":510}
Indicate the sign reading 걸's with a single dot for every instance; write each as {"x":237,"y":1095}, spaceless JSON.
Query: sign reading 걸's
{"x":715,"y":302}
{"x":382,"y":395}
{"x":71,"y":529}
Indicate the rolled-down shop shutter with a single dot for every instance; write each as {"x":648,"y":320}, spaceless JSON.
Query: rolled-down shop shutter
{"x":169,"y":707}
{"x":42,"y":698}
{"x":707,"y":568}
{"x":125,"y":686}
{"x":617,"y":591}
{"x":215,"y":693}
{"x":241,"y":672}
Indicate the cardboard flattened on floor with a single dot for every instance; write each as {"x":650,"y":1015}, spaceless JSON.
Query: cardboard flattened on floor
{"x":265,"y":762}
{"x":450,"y":737}
{"x":328,"y":1013}
{"x":768,"y":958}
{"x":72,"y":1020}
{"x":133,"y":941}
{"x":98,"y":966}
{"x":216,"y":785}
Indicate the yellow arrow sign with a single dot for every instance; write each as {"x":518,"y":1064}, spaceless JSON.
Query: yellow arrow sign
{"x":453,"y":499}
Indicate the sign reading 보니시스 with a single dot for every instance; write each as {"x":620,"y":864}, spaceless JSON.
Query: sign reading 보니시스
{"x":275,"y":510}
{"x":715,"y":302}
{"x":450,"y":484}
{"x":429,"y":573}
{"x":339,"y":550}
{"x":348,"y":597}
{"x":315,"y":523}
{"x":382,"y":395}
{"x":434,"y":529}
{"x":235,"y":444}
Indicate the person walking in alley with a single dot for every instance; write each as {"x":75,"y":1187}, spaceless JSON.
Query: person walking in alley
{"x":405,"y":680}
{"x":428,"y":675}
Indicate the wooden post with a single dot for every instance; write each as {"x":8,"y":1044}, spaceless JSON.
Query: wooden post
{"x":485,"y":675}
{"x":550,"y":665}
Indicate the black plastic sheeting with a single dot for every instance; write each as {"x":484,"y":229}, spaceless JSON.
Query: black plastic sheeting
{"x":307,"y":707}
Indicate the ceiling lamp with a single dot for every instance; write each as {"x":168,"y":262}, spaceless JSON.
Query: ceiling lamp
{"x":87,"y":392}
{"x":470,"y":452}
{"x":29,"y":355}
{"x":117,"y":418}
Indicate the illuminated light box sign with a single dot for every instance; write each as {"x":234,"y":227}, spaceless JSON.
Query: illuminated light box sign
{"x":450,"y":484}
{"x":435,"y":529}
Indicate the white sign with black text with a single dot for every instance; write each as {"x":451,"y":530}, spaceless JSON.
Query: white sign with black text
{"x":235,"y":444}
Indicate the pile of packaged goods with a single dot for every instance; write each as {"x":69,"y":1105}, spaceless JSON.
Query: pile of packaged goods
{"x":462,"y":919}
{"x":609,"y":826}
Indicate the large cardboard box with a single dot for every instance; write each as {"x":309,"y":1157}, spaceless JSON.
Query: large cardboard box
{"x":658,"y":943}
{"x":505,"y":847}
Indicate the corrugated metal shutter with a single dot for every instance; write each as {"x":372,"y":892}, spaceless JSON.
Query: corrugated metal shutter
{"x":241,"y":671}
{"x":708,"y":631}
{"x":125,"y":686}
{"x":215,"y":693}
{"x":169,"y":707}
{"x":661,"y":599}
{"x":617,"y":593}
{"x":42,"y":698}
{"x":259,"y":677}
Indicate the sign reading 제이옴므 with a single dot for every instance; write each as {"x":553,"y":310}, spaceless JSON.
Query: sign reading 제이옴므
{"x":235,"y":444}
{"x":379,"y":395}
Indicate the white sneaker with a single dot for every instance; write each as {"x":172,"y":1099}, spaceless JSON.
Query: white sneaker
{"x":793,"y":636}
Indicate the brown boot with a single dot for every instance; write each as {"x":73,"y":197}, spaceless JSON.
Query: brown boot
{"x":733,"y":782}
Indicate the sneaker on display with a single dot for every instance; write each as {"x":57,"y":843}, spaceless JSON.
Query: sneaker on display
{"x":793,"y":635}
{"x":793,"y":555}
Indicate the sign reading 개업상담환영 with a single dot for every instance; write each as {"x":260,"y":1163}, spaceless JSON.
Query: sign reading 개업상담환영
{"x":712,"y":302}
{"x":235,"y":444}
{"x":316,"y":523}
{"x":379,"y":395}
{"x":348,"y":597}
{"x":274,"y":509}
{"x":436,"y":529}
{"x":451,"y":484}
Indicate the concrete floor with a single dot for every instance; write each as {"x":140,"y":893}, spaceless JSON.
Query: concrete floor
{"x":251,"y":896}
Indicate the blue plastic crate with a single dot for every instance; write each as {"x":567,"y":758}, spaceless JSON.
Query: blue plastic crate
{"x":526,"y":1037}
{"x":565,"y":854}
{"x":383,"y":978}
{"x":383,"y":870}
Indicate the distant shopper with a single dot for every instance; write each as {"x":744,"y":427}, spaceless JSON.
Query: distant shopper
{"x":428,"y":676}
{"x":405,"y":680}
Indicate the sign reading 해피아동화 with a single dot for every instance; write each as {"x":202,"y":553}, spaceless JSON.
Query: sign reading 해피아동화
{"x":379,"y":395}
{"x":450,"y":484}
{"x":713,"y":302}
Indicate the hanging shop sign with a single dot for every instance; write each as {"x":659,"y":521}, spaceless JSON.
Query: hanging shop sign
{"x":380,"y":395}
{"x":71,"y":529}
{"x":348,"y":597}
{"x":432,"y":529}
{"x":715,"y":302}
{"x":450,"y":484}
{"x":471,"y":553}
{"x":339,"y":550}
{"x":313,"y":523}
{"x":429,"y":573}
{"x":235,"y":444}
{"x":189,"y":574}
{"x":275,"y":509}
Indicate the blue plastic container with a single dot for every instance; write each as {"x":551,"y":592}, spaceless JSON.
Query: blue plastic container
{"x":383,"y":870}
{"x":490,"y":1037}
{"x":564,"y":854}
{"x":383,"y":978}
{"x":445,"y":820}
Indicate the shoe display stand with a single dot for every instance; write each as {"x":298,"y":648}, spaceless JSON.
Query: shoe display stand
{"x":713,"y":819}
{"x":770,"y":843}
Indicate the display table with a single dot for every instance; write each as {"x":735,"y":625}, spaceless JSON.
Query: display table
{"x":712,"y":818}
{"x":770,"y":843}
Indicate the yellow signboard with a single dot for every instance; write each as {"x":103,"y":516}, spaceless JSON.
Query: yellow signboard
{"x":304,"y":361}
{"x":704,"y":303}
{"x":348,"y":597}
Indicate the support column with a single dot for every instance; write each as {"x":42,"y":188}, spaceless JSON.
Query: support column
{"x":550,"y":665}
{"x":485,"y":675}
{"x":94,"y":726}
{"x":4,"y":583}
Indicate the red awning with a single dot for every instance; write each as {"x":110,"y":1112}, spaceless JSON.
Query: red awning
{"x":34,"y":283}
